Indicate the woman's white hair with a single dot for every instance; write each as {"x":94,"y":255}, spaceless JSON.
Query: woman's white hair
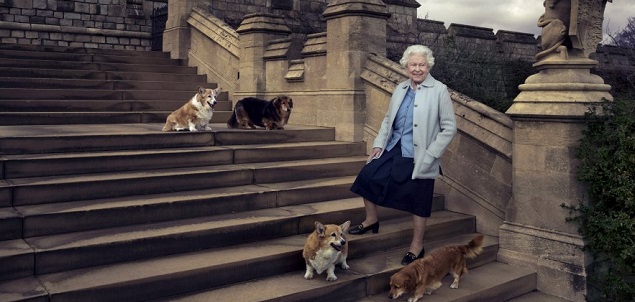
{"x":417,"y":50}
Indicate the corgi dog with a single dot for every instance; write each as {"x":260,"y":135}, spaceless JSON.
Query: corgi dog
{"x":424,"y":275}
{"x":324,"y":248}
{"x":194,"y":115}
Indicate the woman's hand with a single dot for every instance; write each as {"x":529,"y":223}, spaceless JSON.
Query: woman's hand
{"x":374,"y":154}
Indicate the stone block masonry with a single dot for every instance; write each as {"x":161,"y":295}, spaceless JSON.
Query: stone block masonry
{"x":110,"y":24}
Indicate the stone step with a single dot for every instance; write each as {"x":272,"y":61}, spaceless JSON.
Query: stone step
{"x":33,"y":165}
{"x":537,"y":296}
{"x":76,"y":50}
{"x":53,"y":189}
{"x":76,"y":106}
{"x":492,"y":282}
{"x":50,"y":219}
{"x":169,"y":275}
{"x":74,"y":118}
{"x":17,"y":72}
{"x":112,"y":137}
{"x":96,"y":66}
{"x":367,"y":275}
{"x":99,"y":84}
{"x":17,"y":260}
{"x":113,"y":57}
{"x":95,"y":94}
{"x":5,"y":191}
{"x":63,"y":252}
{"x":11,"y":223}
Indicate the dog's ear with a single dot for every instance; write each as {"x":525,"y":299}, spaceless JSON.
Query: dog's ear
{"x":290,"y":103}
{"x":319,"y":229}
{"x":345,"y":226}
{"x":217,"y":91}
{"x":201,"y":90}
{"x":409,"y":283}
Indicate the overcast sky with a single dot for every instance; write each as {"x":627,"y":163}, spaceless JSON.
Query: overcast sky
{"x":512,"y":15}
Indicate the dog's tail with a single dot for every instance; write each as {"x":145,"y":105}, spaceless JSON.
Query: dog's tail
{"x":474,"y":247}
{"x":232,"y":122}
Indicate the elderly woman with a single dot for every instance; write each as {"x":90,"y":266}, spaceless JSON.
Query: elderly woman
{"x":404,"y":161}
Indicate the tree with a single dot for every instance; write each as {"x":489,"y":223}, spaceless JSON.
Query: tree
{"x":626,"y":36}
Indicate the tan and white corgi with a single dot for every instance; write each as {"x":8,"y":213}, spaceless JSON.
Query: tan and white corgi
{"x":324,"y":248}
{"x":194,"y":115}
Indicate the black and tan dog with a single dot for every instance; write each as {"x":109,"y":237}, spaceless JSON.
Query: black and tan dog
{"x":251,"y":112}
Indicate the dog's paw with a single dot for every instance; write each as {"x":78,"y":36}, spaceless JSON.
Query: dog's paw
{"x":308,"y":275}
{"x":331,"y":278}
{"x":344,"y":266}
{"x":454,"y":285}
{"x":413,"y":299}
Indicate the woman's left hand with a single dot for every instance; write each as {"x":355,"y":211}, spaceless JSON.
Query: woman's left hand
{"x":374,"y":154}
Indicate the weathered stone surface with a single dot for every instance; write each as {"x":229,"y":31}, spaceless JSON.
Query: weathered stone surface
{"x":558,"y":258}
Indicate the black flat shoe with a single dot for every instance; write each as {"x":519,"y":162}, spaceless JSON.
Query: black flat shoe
{"x":410,"y":257}
{"x":360,"y":229}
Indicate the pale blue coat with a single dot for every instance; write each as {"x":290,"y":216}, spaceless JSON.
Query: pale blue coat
{"x":434,"y":125}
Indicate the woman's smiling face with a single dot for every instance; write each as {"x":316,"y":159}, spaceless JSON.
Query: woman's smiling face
{"x":417,"y":68}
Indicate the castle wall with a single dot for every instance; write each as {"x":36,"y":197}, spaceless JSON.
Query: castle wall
{"x":118,"y":24}
{"x":127,"y":24}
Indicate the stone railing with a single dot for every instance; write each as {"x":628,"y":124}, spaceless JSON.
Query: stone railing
{"x":214,"y":49}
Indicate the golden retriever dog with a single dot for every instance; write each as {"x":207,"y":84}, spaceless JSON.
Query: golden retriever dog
{"x":424,"y":275}
{"x":194,"y":115}
{"x":251,"y":112}
{"x":324,"y":248}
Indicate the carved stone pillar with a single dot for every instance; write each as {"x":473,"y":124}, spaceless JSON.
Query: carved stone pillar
{"x":548,"y":124}
{"x":355,"y":28}
{"x":176,"y":37}
{"x":256,"y":31}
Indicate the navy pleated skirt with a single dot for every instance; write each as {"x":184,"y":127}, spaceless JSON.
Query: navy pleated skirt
{"x":387,"y":182}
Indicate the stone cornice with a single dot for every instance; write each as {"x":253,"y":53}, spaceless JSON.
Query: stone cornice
{"x":406,"y":3}
{"x":370,"y":8}
{"x":262,"y":22}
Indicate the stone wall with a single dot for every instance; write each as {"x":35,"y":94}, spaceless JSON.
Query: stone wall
{"x":118,"y":24}
{"x":302,"y":16}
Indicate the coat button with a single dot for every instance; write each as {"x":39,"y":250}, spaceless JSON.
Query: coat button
{"x":415,"y":125}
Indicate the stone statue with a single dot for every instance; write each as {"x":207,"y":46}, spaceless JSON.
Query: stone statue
{"x":564,"y":84}
{"x":570,"y":28}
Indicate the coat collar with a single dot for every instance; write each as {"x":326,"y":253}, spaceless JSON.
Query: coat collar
{"x":428,"y":82}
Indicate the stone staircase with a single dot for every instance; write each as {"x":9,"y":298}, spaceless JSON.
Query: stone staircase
{"x":97,"y":204}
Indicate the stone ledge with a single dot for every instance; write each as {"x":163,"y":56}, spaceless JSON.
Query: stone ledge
{"x":73,"y":30}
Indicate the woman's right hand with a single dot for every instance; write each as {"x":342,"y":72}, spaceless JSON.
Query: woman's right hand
{"x":374,"y":154}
